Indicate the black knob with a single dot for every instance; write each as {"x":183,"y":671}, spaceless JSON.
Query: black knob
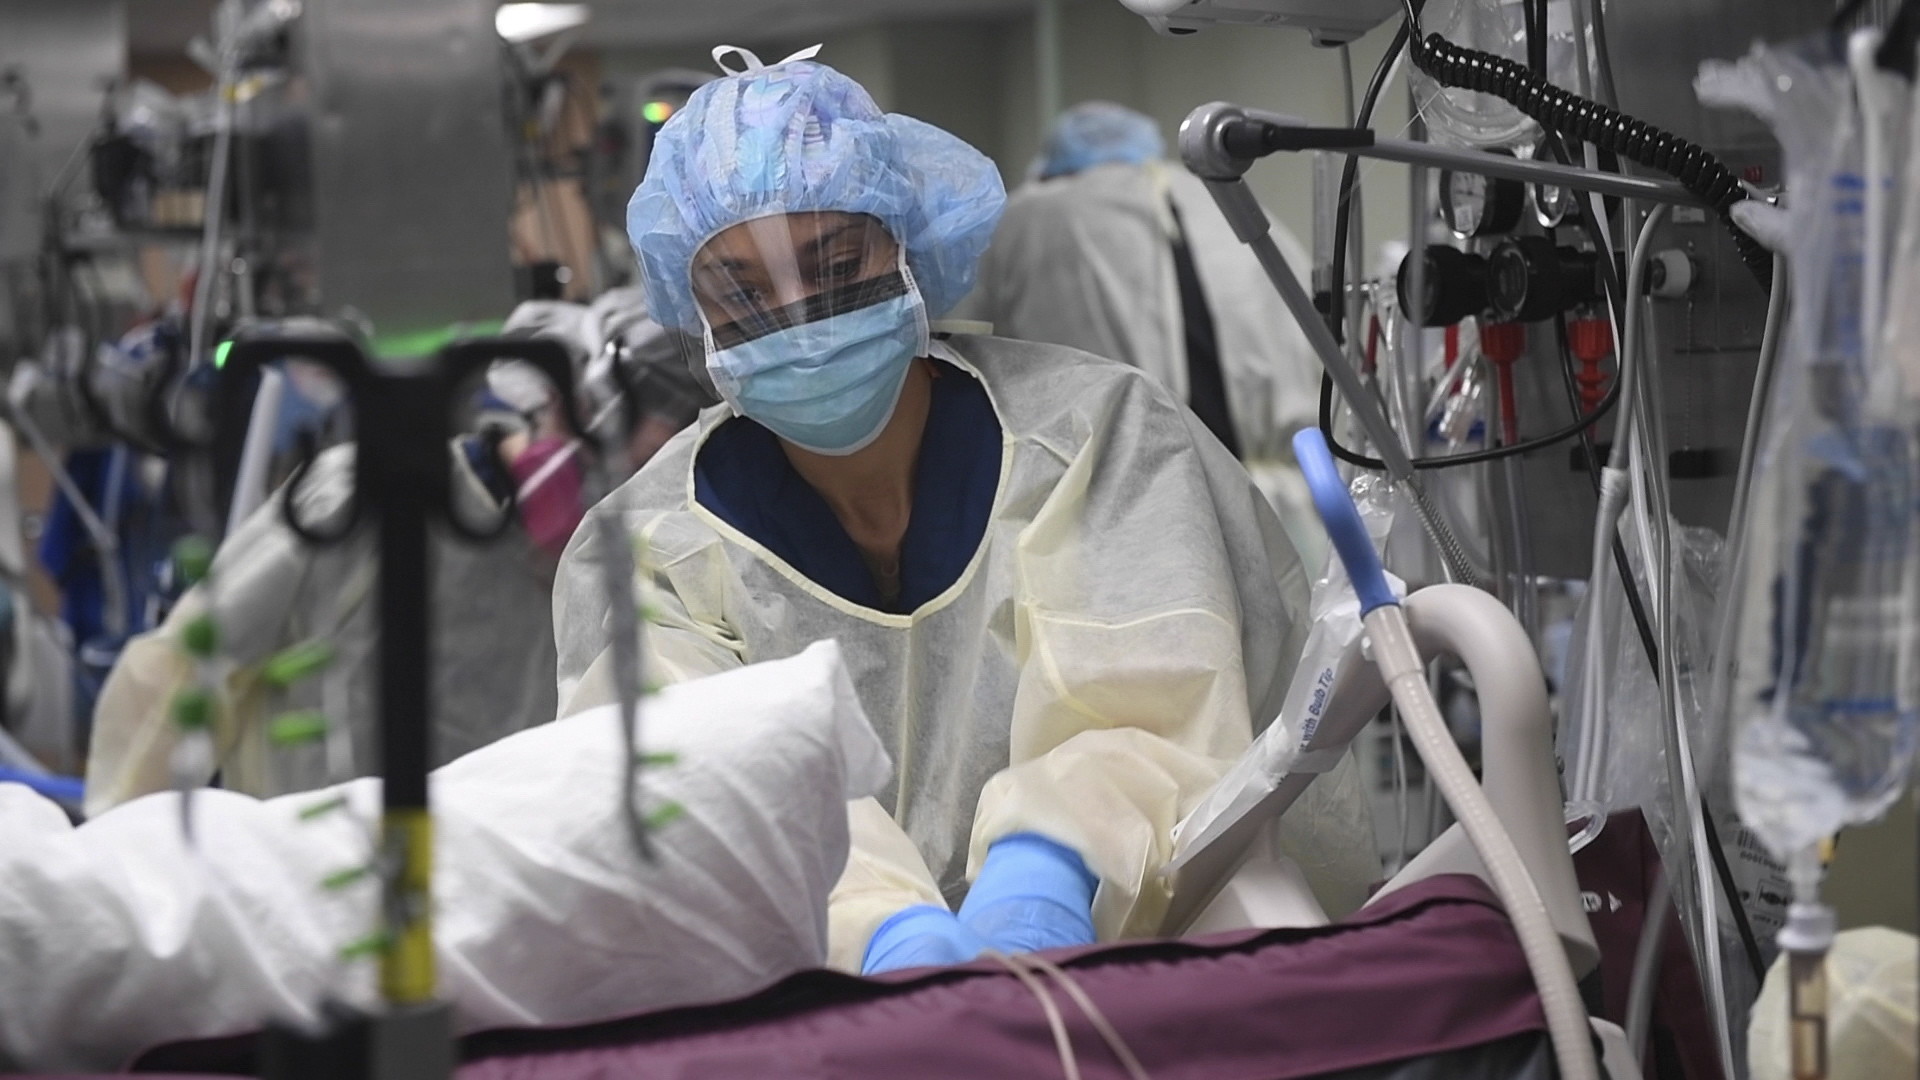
{"x":1529,"y":279}
{"x":1454,"y":286}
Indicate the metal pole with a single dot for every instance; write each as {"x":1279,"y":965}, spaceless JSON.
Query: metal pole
{"x":1046,"y":63}
{"x":1214,"y":120}
{"x":1250,"y":223}
{"x":402,"y":467}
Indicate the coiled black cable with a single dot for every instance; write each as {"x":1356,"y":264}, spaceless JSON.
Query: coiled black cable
{"x":1567,"y":113}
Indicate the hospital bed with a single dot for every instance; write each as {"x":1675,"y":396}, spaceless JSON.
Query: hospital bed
{"x":1427,"y":980}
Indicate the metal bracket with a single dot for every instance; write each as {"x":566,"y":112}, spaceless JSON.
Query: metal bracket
{"x":1219,"y":141}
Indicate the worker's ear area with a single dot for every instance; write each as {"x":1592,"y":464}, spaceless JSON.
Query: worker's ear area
{"x":693,"y":355}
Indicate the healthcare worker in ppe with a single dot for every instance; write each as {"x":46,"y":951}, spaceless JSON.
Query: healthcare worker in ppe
{"x":269,"y":592}
{"x":1064,"y":606}
{"x":493,"y":650}
{"x":1115,"y":251}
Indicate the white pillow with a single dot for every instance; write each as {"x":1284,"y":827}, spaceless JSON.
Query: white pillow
{"x":119,"y":935}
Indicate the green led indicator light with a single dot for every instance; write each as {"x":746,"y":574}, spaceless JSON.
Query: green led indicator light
{"x":220,"y":352}
{"x":410,"y":345}
{"x":656,"y":112}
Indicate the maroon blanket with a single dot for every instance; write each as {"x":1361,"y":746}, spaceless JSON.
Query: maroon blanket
{"x":1432,"y":969}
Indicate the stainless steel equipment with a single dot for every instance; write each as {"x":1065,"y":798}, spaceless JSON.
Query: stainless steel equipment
{"x":411,"y":180}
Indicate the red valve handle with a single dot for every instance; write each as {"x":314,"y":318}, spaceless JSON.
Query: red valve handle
{"x":1590,"y":340}
{"x":1503,"y":343}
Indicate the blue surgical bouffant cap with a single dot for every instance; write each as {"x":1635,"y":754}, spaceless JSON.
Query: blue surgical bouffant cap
{"x":1099,"y":133}
{"x":799,"y":137}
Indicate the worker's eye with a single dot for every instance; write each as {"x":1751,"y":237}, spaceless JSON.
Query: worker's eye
{"x":839,"y":271}
{"x":743,"y":298}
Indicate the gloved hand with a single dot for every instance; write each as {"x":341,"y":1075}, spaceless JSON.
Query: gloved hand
{"x":1031,"y":894}
{"x":920,"y":936}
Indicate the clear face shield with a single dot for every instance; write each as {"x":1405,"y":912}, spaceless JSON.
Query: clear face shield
{"x":810,"y":322}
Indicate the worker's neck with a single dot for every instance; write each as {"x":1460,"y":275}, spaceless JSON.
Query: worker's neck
{"x":870,"y":490}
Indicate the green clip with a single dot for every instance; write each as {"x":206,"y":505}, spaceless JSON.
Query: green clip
{"x":301,"y":726}
{"x":327,"y":806}
{"x":371,"y":945}
{"x":340,"y":879}
{"x":192,"y":559}
{"x":193,"y":709}
{"x":665,"y":814}
{"x":290,"y":665}
{"x":201,"y":637}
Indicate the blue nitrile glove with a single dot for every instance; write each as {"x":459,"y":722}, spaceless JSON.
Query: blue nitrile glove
{"x":1032,"y":894}
{"x":920,"y":936}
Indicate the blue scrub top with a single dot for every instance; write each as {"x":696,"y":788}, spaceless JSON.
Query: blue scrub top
{"x":745,"y":479}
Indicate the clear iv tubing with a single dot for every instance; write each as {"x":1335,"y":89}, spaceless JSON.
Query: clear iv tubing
{"x":1651,"y":454}
{"x":1614,"y":482}
{"x":1719,"y":703}
{"x":1640,"y":429}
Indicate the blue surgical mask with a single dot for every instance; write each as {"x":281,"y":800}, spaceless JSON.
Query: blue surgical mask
{"x":827,"y":384}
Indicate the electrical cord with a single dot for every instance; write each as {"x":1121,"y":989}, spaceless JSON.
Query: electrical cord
{"x":1534,"y":17}
{"x":1473,"y":457}
{"x":1349,"y":177}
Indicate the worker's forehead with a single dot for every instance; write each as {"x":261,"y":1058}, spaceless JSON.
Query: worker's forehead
{"x":780,"y":236}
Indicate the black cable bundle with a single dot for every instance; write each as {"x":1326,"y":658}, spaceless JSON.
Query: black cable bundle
{"x":1567,"y":113}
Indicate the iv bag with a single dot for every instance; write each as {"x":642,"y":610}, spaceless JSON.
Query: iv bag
{"x":1825,"y":704}
{"x":1468,"y":117}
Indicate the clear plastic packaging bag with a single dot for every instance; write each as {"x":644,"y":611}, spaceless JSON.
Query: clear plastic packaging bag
{"x":1630,"y":770}
{"x":1278,"y":751}
{"x":1468,"y":117}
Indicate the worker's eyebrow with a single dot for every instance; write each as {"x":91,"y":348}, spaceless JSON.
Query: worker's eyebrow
{"x":715,"y":263}
{"x":813,"y":246}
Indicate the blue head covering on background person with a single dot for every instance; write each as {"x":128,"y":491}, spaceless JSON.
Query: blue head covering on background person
{"x":1099,"y":133}
{"x":800,"y":137}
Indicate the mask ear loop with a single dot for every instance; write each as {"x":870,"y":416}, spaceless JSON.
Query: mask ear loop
{"x":921,"y":316}
{"x":723,"y":384}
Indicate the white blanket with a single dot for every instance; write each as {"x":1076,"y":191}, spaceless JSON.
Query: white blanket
{"x":119,"y":935}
